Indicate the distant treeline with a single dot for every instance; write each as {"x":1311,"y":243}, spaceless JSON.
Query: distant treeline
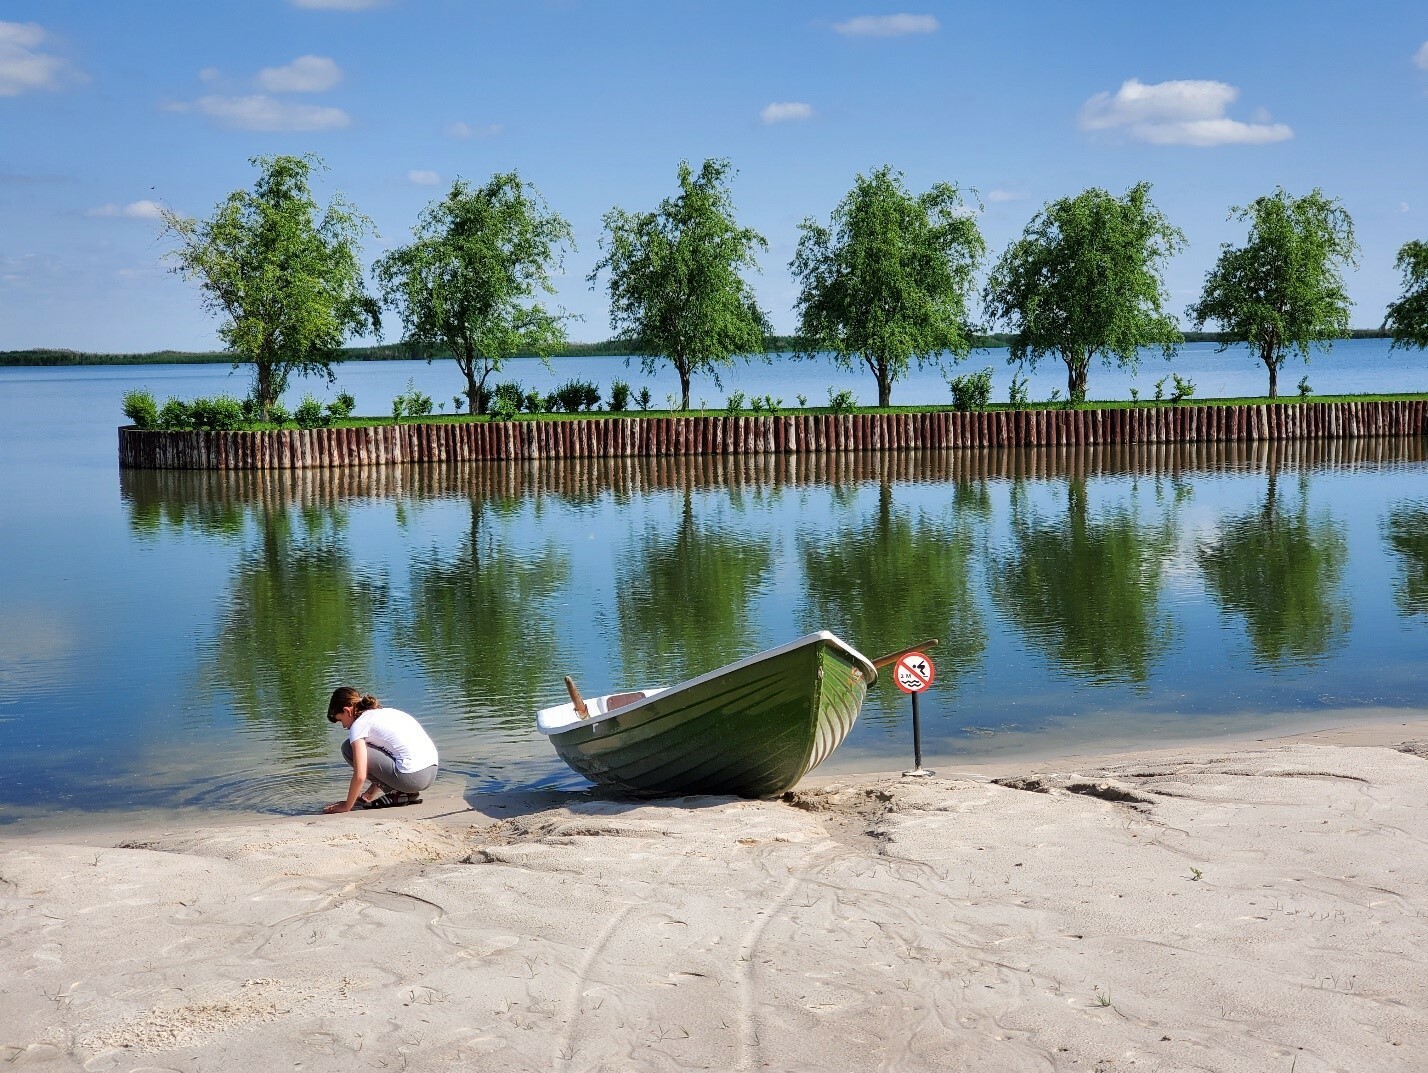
{"x":785,"y":344}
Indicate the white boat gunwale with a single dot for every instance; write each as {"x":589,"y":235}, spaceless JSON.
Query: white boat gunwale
{"x":563,"y":717}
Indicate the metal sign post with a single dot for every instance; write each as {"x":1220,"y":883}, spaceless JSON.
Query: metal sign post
{"x":914,"y":673}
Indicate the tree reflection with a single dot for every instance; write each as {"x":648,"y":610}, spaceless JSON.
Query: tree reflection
{"x":482,"y":620}
{"x":299,"y":619}
{"x":897,"y":580}
{"x":684,"y":599}
{"x":1086,"y":589}
{"x":1406,"y":531}
{"x":1281,"y":571}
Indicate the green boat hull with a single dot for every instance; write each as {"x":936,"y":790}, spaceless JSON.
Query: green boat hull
{"x":753,"y":731}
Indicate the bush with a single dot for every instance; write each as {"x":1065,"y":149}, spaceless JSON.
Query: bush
{"x":341,"y":407}
{"x":512,"y":395}
{"x":1183,"y":388}
{"x":535,"y":402}
{"x":174,"y":416}
{"x":141,"y":409}
{"x":971,"y":391}
{"x":309,"y":414}
{"x":644,"y":398}
{"x":734,"y":404}
{"x":841,"y":402}
{"x":504,"y":408}
{"x":1018,"y":395}
{"x":576,"y":395}
{"x":221,"y":414}
{"x":279,"y":415}
{"x":1304,"y":389}
{"x":411,"y":404}
{"x":619,"y":396}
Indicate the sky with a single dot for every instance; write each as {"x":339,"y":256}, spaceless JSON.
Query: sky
{"x":110,"y":110}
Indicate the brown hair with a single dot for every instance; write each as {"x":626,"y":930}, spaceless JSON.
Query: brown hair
{"x":342,"y":696}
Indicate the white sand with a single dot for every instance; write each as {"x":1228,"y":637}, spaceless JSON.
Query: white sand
{"x":1237,"y":908}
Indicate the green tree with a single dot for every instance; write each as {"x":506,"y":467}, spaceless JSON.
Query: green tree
{"x":1085,"y":279}
{"x":1281,"y":570}
{"x":1087,"y":588}
{"x":683,"y":598}
{"x":472,"y":278}
{"x":675,"y":286}
{"x":1406,"y":530}
{"x":494,"y":600}
{"x":1407,"y":319}
{"x":926,"y":561}
{"x":887,"y":281}
{"x":1284,"y":288}
{"x":284,"y":277}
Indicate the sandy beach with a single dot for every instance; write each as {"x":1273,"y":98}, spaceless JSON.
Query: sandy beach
{"x":1242,"y":906}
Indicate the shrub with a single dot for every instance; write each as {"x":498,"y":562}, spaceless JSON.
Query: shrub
{"x":341,"y":407}
{"x":535,"y":402}
{"x":278,"y":414}
{"x":411,"y":404}
{"x":841,"y":402}
{"x":141,"y":409}
{"x":1304,"y":389}
{"x":504,"y":408}
{"x":309,"y":414}
{"x":1160,"y":389}
{"x":221,"y":414}
{"x":456,"y":403}
{"x":643,"y":398}
{"x":1135,"y":396}
{"x":802,"y":401}
{"x":575,"y":395}
{"x":174,"y":415}
{"x":1018,"y":394}
{"x":734,"y":404}
{"x":971,"y":391}
{"x":511,"y":394}
{"x":619,"y":396}
{"x":757,"y":404}
{"x":1183,"y":388}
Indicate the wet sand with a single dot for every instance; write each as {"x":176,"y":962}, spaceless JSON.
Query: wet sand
{"x":1235,"y":906}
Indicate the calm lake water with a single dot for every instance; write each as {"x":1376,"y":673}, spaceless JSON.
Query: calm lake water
{"x":168,"y":640}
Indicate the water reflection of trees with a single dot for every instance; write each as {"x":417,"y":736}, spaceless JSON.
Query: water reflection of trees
{"x":684,"y":596}
{"x":1086,"y":588}
{"x":1280,"y":569}
{"x":482,"y":622}
{"x":297,"y":619}
{"x":1406,"y":532}
{"x":899,"y":578}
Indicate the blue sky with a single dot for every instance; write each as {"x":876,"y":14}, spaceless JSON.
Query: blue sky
{"x":110,"y":109}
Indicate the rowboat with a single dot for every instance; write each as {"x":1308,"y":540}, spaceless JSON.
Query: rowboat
{"x":751,"y":729}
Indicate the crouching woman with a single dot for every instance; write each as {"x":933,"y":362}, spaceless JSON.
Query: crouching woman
{"x":393,"y":760}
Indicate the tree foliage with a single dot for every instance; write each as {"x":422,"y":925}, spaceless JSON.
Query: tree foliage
{"x":471,"y":280}
{"x":1407,"y":319}
{"x":1284,"y":288}
{"x":888,"y":279}
{"x":283,"y":274}
{"x":674,"y":278}
{"x":1085,"y":279}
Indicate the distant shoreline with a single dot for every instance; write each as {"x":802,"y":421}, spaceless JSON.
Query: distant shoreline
{"x":619,"y":348}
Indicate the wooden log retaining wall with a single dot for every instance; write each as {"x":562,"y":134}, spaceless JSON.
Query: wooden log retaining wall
{"x":795,"y":434}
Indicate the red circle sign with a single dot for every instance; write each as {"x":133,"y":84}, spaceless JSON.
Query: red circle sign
{"x":913,"y":672}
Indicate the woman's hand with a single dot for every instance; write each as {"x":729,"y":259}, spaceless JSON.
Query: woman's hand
{"x":337,"y":806}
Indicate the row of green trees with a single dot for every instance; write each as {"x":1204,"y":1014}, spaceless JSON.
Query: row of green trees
{"x":888,"y":280}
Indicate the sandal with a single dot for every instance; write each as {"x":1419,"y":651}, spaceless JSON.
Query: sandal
{"x":380,"y":801}
{"x":393,"y":800}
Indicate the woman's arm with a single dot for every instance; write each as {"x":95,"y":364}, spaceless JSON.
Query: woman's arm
{"x":359,"y":776}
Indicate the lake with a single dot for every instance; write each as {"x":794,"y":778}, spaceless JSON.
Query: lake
{"x":168,"y":640}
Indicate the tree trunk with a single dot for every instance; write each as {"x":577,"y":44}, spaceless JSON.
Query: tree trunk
{"x":1076,"y":374}
{"x":884,"y":389}
{"x":682,"y":367}
{"x":1273,"y":368}
{"x":264,"y":388}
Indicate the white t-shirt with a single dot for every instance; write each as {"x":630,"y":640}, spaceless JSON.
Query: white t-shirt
{"x":395,"y":732}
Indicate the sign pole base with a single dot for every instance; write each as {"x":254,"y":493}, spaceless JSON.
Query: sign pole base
{"x":918,"y":773}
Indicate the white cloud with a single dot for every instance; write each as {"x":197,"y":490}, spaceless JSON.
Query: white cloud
{"x":135,"y":210}
{"x":888,"y":25}
{"x":22,"y":67}
{"x":1403,"y":206}
{"x":1420,"y":58}
{"x":338,"y":5}
{"x":261,"y":112}
{"x":306,"y":74}
{"x":463,"y":130}
{"x":999,"y":196}
{"x":784,"y":111}
{"x":1184,"y":112}
{"x":424,"y":178}
{"x":209,"y":75}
